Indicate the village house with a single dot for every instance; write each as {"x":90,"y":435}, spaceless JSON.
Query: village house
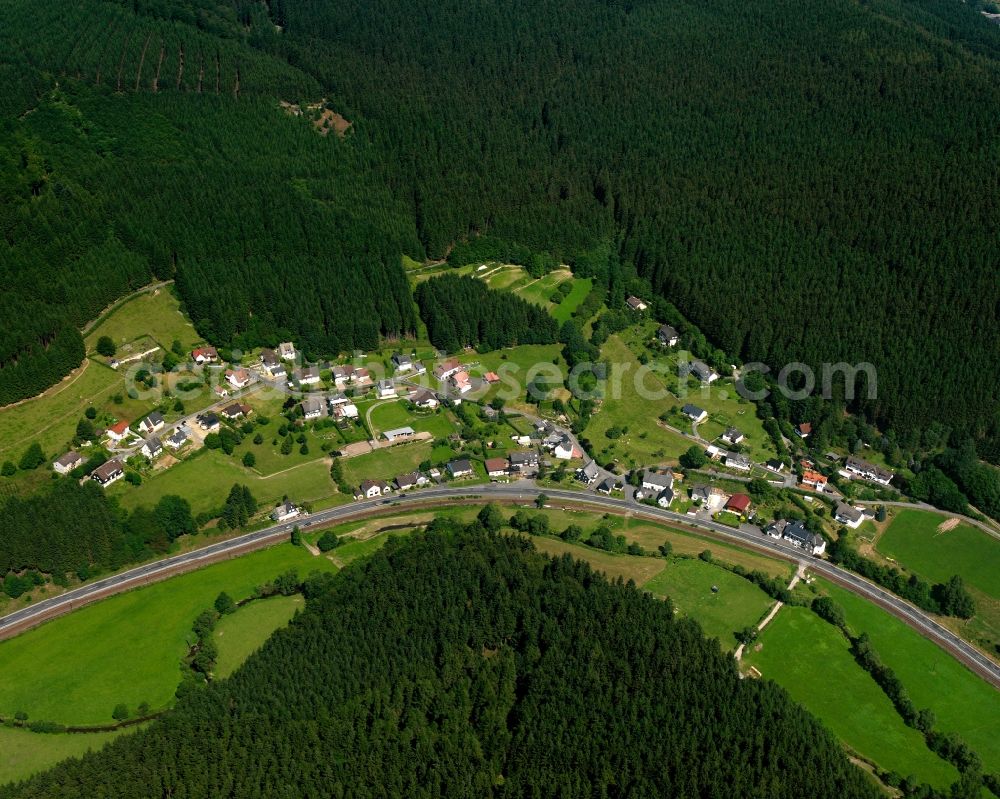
{"x":496,"y":467}
{"x":312,"y":407}
{"x":208,"y":422}
{"x":460,"y":381}
{"x":108,"y":473}
{"x":665,"y":497}
{"x":711,"y":498}
{"x":307,"y":375}
{"x":370,"y":489}
{"x":386,"y":389}
{"x":814,"y":480}
{"x":651,"y":481}
{"x":636,"y":304}
{"x":694,"y":413}
{"x":588,"y":473}
{"x":607,"y":485}
{"x":272,"y":364}
{"x":425,"y":399}
{"x":118,"y":431}
{"x":151,"y":447}
{"x":285,"y":511}
{"x":203,"y":355}
{"x":704,"y":372}
{"x":234,"y":411}
{"x":668,"y":336}
{"x":803,"y":430}
{"x":447,"y":368}
{"x":151,"y":423}
{"x":848,"y":516}
{"x":491,"y":378}
{"x":238,"y":378}
{"x":67,"y":463}
{"x":732,"y":436}
{"x":286,"y":351}
{"x":566,"y":450}
{"x":868,"y":471}
{"x":460,"y":468}
{"x":797,"y":533}
{"x":402,"y":363}
{"x":346,"y":410}
{"x":178,"y":438}
{"x":398,"y":435}
{"x":738,"y":461}
{"x":776,"y":465}
{"x":738,"y":504}
{"x":405,"y":482}
{"x":220,"y":391}
{"x":525,"y":462}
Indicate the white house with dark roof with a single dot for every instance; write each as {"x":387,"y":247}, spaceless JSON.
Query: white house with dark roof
{"x":67,"y":463}
{"x":738,"y":461}
{"x":402,"y":363}
{"x":797,"y":533}
{"x":370,"y":489}
{"x":848,"y":516}
{"x":151,"y":423}
{"x":668,"y":336}
{"x":588,"y":473}
{"x":635,"y":303}
{"x":312,"y":407}
{"x":694,"y":413}
{"x":285,"y":511}
{"x":651,"y":481}
{"x":307,"y":375}
{"x":286,"y":351}
{"x":108,"y":473}
{"x":386,"y":389}
{"x":858,"y":467}
{"x":178,"y":438}
{"x":460,"y":468}
{"x":704,"y":372}
{"x":732,"y":436}
{"x":151,"y":447}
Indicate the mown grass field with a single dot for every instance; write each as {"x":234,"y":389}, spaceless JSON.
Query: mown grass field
{"x":737,"y":604}
{"x":628,"y":567}
{"x":205,"y":481}
{"x":155,"y":313}
{"x":127,"y":648}
{"x":962,"y":702}
{"x":387,"y":463}
{"x":394,"y":414}
{"x":242,"y":633}
{"x":24,"y":753}
{"x":539,"y":291}
{"x":581,"y":288}
{"x":912,"y":538}
{"x":811,"y":660}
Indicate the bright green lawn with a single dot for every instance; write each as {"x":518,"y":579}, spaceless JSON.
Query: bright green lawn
{"x":242,"y":633}
{"x":24,"y":753}
{"x":128,"y":648}
{"x":962,"y":702}
{"x":540,"y":291}
{"x":205,"y":481}
{"x":737,"y":604}
{"x":912,"y":539}
{"x":810,"y":659}
{"x":394,"y":414}
{"x":385,"y":464}
{"x":581,"y":288}
{"x":150,"y":314}
{"x":269,"y":458}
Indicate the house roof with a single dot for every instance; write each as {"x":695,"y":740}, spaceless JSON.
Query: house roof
{"x":737,"y":459}
{"x":269,"y":357}
{"x":692,"y":410}
{"x":607,"y":485}
{"x":423,"y":396}
{"x":155,"y":418}
{"x":491,"y":377}
{"x":702,"y":369}
{"x":732,"y":434}
{"x":634,"y":302}
{"x":658,"y":480}
{"x":738,"y":502}
{"x":401,"y":360}
{"x":408,"y":479}
{"x":845,"y":511}
{"x":523,"y":457}
{"x":153,"y":444}
{"x":460,"y":465}
{"x":814,"y":477}
{"x":399,"y":432}
{"x":118,"y":428}
{"x":204,"y":352}
{"x":312,"y":405}
{"x":591,"y":470}
{"x":179,"y":436}
{"x":805,"y":428}
{"x":666,"y":331}
{"x":797,"y":532}
{"x":208,"y":419}
{"x":69,"y":458}
{"x":368,"y":484}
{"x":496,"y":464}
{"x":108,"y":469}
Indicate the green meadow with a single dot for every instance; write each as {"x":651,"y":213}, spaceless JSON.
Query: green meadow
{"x":242,"y":633}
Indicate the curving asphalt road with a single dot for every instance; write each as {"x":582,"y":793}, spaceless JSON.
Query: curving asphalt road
{"x":523,"y":490}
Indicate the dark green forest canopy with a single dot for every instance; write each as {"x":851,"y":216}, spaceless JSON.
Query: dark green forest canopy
{"x":460,"y":664}
{"x":815,"y":186}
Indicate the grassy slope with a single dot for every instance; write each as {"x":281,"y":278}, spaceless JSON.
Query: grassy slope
{"x":241,"y":634}
{"x":962,"y":702}
{"x":156,"y":314}
{"x":810,"y":659}
{"x":737,"y":604}
{"x":581,"y":288}
{"x":24,"y":753}
{"x":127,"y":648}
{"x":627,"y":567}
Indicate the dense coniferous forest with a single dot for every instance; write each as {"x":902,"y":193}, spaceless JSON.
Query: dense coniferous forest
{"x":462,"y":311}
{"x":815,"y":187}
{"x":457,"y":663}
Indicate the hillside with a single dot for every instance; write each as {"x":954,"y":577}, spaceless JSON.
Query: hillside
{"x":823,"y":188}
{"x":461,"y":664}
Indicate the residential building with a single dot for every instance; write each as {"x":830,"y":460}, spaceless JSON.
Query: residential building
{"x":738,"y":504}
{"x":665,"y":497}
{"x":386,"y":389}
{"x":736,"y":460}
{"x":607,"y":485}
{"x":285,"y":511}
{"x":67,"y":463}
{"x":447,"y":368}
{"x":814,"y":480}
{"x":797,"y":533}
{"x":733,"y":437}
{"x":312,"y":407}
{"x":635,"y":304}
{"x":238,"y":378}
{"x":272,"y":364}
{"x":151,"y":423}
{"x":220,"y":391}
{"x":694,"y":413}
{"x":411,"y":480}
{"x":234,"y":411}
{"x":803,"y":430}
{"x":566,"y":450}
{"x":345,"y":411}
{"x":108,"y":473}
{"x":208,"y":422}
{"x":460,"y":381}
{"x":425,"y":399}
{"x":460,"y":468}
{"x":374,"y":488}
{"x":151,"y":447}
{"x":668,"y":336}
{"x":402,"y":363}
{"x":307,"y":375}
{"x":203,"y":355}
{"x":589,"y":473}
{"x":711,"y":498}
{"x":776,"y":465}
{"x":491,"y":378}
{"x":119,"y":430}
{"x":286,"y":351}
{"x":704,"y":372}
{"x":651,"y":481}
{"x":496,"y":467}
{"x":848,"y":516}
{"x":868,"y":471}
{"x":522,"y":462}
{"x":398,"y":435}
{"x":178,"y":438}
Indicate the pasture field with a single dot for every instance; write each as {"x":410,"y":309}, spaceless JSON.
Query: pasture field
{"x":962,"y":702}
{"x":205,"y":481}
{"x":127,"y":648}
{"x":581,"y":288}
{"x":811,"y":660}
{"x":242,"y":633}
{"x":646,"y":442}
{"x":23,"y":753}
{"x":539,"y":291}
{"x":269,"y":459}
{"x":393,"y":413}
{"x":154,"y":313}
{"x":913,"y":539}
{"x":737,"y":604}
{"x":387,"y":463}
{"x":628,"y":567}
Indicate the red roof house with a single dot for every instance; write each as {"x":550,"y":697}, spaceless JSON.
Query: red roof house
{"x":738,"y":503}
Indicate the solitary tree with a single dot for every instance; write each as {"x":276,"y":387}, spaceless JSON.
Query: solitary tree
{"x":540,"y":501}
{"x":296,"y":536}
{"x":694,"y":457}
{"x":328,"y":541}
{"x":249,"y":460}
{"x":120,"y":713}
{"x":105,"y":346}
{"x":224,"y":604}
